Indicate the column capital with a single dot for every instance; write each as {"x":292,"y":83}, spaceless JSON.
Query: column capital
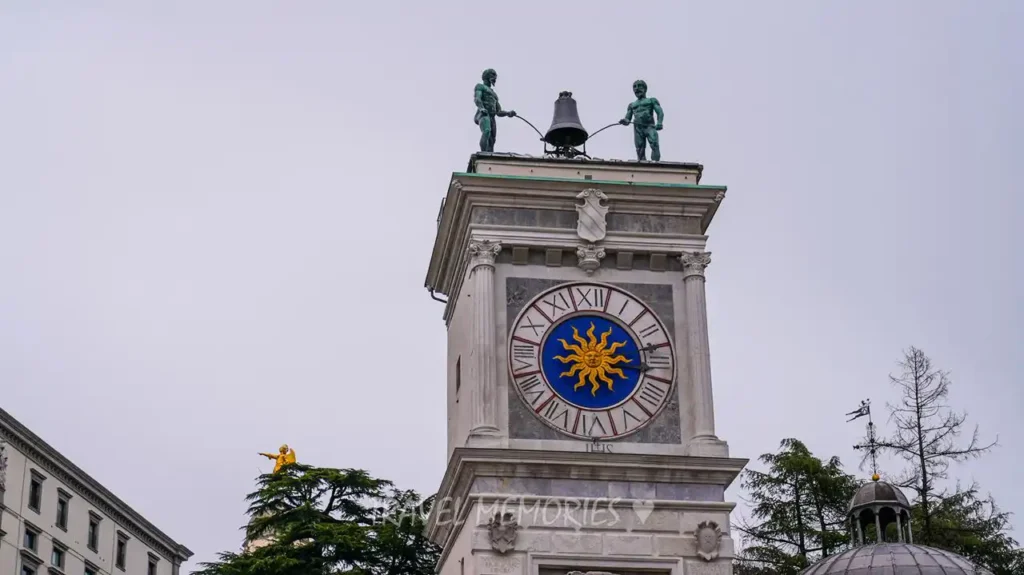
{"x":483,"y":252}
{"x":694,"y":263}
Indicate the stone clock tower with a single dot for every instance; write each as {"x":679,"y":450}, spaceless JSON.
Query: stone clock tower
{"x":581,"y":428}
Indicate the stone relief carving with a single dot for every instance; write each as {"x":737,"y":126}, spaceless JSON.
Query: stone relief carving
{"x":516,"y":297}
{"x":694,"y":263}
{"x":709,"y":537}
{"x":591,"y":225}
{"x":503,"y":530}
{"x":590,"y":257}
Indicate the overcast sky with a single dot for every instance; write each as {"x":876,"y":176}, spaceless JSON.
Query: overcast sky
{"x":216,"y":219}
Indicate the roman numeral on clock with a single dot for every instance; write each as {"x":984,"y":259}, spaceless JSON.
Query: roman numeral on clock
{"x":532,"y":388}
{"x":649,"y":330}
{"x":522,"y":351}
{"x":554,"y":305}
{"x":558,"y":413}
{"x":593,"y":297}
{"x":652,"y":394}
{"x":659,"y":361}
{"x":629,"y":417}
{"x":537,"y":328}
{"x":592,"y":426}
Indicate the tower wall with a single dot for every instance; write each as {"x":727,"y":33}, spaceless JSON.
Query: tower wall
{"x":621,"y":470}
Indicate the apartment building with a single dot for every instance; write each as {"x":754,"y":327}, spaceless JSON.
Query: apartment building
{"x":56,"y":520}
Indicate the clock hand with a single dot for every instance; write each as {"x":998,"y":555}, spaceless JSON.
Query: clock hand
{"x":649,"y":348}
{"x":643,"y":367}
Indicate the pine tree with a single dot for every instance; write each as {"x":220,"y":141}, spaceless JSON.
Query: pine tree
{"x":799,"y":509}
{"x":323,"y":521}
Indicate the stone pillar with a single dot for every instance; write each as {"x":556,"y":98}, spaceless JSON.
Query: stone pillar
{"x":860,"y":531}
{"x":484,"y":368}
{"x":899,"y":527}
{"x":700,"y":351}
{"x":878,"y":527}
{"x":910,"y":531}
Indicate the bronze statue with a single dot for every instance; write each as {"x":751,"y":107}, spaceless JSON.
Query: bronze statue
{"x":645,"y":129}
{"x":487,"y":109}
{"x":284,"y":457}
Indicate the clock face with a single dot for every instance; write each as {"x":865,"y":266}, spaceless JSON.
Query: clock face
{"x":591,"y":360}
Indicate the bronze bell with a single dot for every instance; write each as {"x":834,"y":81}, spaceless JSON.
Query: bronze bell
{"x":566,"y":131}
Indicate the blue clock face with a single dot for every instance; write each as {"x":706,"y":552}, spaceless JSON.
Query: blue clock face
{"x":591,"y":360}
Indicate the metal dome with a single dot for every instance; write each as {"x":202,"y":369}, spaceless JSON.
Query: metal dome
{"x":895,"y":559}
{"x":877,"y":493}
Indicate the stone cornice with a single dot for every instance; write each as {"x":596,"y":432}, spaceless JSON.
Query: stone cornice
{"x":466,"y":191}
{"x":466,"y":464}
{"x":483,"y":159}
{"x":21,"y":438}
{"x":596,"y":183}
{"x":567,"y":239}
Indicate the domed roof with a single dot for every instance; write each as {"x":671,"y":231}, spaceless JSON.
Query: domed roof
{"x":894,"y":559}
{"x":879,"y":493}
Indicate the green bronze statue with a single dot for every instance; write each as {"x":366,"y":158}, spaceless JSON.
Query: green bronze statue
{"x":487,"y":109}
{"x":645,"y":128}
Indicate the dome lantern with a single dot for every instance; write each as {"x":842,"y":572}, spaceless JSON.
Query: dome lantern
{"x":882,"y":504}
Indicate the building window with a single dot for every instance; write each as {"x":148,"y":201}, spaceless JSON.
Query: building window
{"x":29,"y":563}
{"x":31,"y":541}
{"x":57,"y":556}
{"x":63,"y":503}
{"x":35,"y":492}
{"x":151,"y":570}
{"x":93,"y":539}
{"x":91,"y":569}
{"x":122,"y":550}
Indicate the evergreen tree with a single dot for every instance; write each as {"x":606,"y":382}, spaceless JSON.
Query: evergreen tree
{"x":799,"y":509}
{"x":322,"y":521}
{"x":976,"y":528}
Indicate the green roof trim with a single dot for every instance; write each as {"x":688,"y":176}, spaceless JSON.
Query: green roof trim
{"x":609,"y":182}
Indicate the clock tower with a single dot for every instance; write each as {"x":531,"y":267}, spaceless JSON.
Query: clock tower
{"x":581,"y":428}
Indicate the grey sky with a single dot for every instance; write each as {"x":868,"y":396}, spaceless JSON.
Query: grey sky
{"x":216,"y":217}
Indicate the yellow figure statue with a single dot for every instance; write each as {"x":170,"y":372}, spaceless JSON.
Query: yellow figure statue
{"x":284,"y":457}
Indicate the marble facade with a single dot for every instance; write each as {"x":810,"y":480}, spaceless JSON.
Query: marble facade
{"x":519,"y":497}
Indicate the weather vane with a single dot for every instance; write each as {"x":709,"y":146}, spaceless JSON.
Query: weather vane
{"x":872,"y":442}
